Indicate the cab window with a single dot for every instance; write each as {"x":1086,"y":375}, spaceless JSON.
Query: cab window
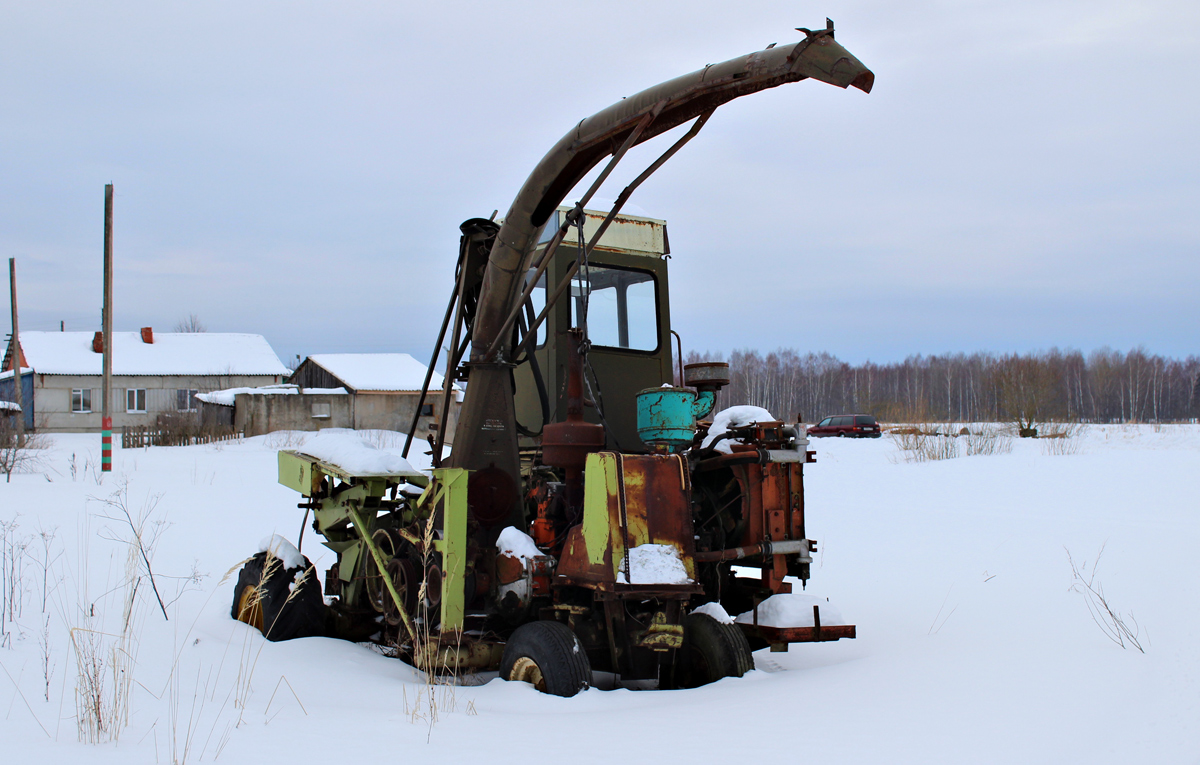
{"x":621,"y":306}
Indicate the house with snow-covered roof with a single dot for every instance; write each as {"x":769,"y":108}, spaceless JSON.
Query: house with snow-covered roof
{"x":152,"y":373}
{"x":384,"y":389}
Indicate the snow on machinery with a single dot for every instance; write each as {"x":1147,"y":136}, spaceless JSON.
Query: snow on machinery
{"x":587,"y":517}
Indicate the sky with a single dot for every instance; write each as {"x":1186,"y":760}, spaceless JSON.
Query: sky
{"x":1023,"y":175}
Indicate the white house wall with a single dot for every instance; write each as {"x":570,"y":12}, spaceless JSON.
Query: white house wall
{"x":52,"y":398}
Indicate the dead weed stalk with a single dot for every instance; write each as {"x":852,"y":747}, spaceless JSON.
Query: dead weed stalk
{"x":1122,"y":629}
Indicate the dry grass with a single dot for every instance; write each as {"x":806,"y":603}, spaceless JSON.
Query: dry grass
{"x":1122,"y":629}
{"x":922,"y":447}
{"x":285,"y":439}
{"x":1061,"y":437}
{"x":986,"y":440}
{"x":383,"y":439}
{"x":438,"y":692}
{"x":104,"y":659}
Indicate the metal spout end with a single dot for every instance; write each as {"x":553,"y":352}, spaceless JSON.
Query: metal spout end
{"x":864,"y":81}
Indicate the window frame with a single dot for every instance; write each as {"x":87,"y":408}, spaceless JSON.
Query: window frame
{"x":653,"y":280}
{"x":85,"y":400}
{"x":189,"y":399}
{"x":135,"y":392}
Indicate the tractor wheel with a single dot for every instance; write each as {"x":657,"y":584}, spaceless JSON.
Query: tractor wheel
{"x":710,"y":651}
{"x":267,"y":600}
{"x":549,"y":656}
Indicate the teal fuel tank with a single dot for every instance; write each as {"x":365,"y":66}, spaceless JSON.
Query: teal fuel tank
{"x":667,"y":416}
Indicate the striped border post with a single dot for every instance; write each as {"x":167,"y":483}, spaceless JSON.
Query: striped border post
{"x":106,"y":445}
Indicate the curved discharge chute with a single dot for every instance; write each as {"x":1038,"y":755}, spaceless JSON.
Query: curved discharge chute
{"x":486,"y":436}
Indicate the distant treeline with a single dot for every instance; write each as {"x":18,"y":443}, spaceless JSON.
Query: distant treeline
{"x":1105,"y":386}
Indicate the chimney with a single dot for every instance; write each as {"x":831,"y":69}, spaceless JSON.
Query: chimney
{"x":148,"y":335}
{"x":98,"y":342}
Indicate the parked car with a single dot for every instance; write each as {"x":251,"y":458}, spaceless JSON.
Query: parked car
{"x":848,"y":425}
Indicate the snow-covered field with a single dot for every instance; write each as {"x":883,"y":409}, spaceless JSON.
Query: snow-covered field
{"x":972,"y":647}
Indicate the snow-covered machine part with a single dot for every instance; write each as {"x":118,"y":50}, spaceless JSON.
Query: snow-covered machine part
{"x":587,"y":515}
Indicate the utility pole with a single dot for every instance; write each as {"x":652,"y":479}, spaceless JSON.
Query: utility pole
{"x":16,"y":355}
{"x":105,"y":412}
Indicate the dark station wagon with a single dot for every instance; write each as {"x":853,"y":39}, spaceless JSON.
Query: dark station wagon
{"x":848,"y":425}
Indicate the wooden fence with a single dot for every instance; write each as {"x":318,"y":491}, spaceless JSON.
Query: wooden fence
{"x":137,"y":436}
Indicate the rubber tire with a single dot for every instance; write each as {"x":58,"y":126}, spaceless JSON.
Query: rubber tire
{"x":553,"y":647}
{"x":284,"y":619}
{"x":710,"y":651}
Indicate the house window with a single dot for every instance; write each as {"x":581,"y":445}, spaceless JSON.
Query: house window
{"x":320,"y":411}
{"x":81,"y":400}
{"x":426,"y":410}
{"x":185,"y":401}
{"x":135,"y":400}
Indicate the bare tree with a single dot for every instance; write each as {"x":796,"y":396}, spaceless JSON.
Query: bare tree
{"x":190,"y":324}
{"x":19,"y":451}
{"x":1051,"y":386}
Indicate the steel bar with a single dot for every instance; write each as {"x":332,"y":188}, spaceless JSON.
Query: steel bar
{"x":451,"y":360}
{"x":381,"y":564}
{"x":782,"y":547}
{"x":437,"y":346}
{"x":562,"y":230}
{"x":622,"y":198}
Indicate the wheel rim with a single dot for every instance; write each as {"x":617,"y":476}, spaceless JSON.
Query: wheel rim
{"x":250,"y":607}
{"x":402,"y":573}
{"x":376,"y":590}
{"x":526,"y":670}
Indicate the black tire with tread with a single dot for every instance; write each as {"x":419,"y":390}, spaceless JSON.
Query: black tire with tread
{"x":710,"y":651}
{"x":558,"y":654}
{"x":283,"y":619}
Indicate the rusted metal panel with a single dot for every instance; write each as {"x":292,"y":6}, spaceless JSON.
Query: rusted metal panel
{"x":631,"y":234}
{"x":800,"y":634}
{"x":657,"y":500}
{"x":576,"y":567}
{"x":630,"y":500}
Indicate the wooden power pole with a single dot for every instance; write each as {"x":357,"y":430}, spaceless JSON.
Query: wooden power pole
{"x":105,"y":411}
{"x":18,"y":397}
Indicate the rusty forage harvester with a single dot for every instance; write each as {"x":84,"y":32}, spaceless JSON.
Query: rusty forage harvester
{"x":588,"y":517}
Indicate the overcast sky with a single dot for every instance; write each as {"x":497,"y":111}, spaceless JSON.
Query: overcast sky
{"x":1024,"y":175}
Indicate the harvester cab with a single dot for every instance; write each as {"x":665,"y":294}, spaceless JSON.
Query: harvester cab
{"x":592,"y":514}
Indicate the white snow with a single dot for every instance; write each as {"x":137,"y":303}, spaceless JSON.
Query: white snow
{"x":377,"y":371}
{"x":281,"y":548}
{"x":655,"y":564}
{"x":516,"y":543}
{"x":734,"y":417}
{"x":171,"y":353}
{"x":9,"y":406}
{"x":225,"y":397}
{"x":716,"y":611}
{"x":793,"y":610}
{"x":7,"y":375}
{"x":351,"y":452}
{"x":971,"y":646}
